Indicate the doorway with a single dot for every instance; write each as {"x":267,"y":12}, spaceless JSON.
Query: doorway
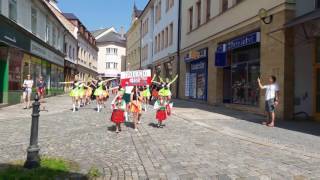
{"x":3,"y":80}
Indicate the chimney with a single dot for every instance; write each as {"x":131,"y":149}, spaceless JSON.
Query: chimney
{"x":122,"y":32}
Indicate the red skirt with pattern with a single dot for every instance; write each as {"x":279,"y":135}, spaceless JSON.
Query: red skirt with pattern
{"x":117,"y":116}
{"x":161,"y":115}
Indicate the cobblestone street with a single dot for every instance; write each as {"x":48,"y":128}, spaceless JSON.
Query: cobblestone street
{"x":198,"y":142}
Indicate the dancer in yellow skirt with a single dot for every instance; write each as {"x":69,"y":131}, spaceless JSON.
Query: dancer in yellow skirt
{"x":101,"y":93}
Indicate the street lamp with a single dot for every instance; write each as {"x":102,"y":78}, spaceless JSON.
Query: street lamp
{"x":33,"y":158}
{"x":265,"y":17}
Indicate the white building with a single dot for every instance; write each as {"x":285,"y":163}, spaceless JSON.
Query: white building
{"x":70,"y":44}
{"x":159,"y":31}
{"x":112,"y":51}
{"x":31,"y":42}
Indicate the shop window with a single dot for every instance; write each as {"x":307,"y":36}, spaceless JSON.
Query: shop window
{"x":169,"y":70}
{"x":240,"y":79}
{"x":317,"y":4}
{"x":13,"y":10}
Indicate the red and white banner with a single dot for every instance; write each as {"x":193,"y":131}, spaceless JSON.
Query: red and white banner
{"x":136,"y":78}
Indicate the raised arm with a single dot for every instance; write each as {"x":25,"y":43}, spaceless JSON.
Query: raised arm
{"x":174,"y":79}
{"x":260,"y":84}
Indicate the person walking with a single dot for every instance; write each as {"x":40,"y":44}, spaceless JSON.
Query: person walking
{"x":135,"y":107}
{"x":271,"y":99}
{"x":27,"y":91}
{"x":41,"y":88}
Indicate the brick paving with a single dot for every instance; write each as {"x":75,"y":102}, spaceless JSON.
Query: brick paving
{"x":197,"y":143}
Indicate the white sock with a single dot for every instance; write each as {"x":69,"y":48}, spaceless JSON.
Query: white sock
{"x":126,"y":116}
{"x":73,"y":107}
{"x":98,"y":107}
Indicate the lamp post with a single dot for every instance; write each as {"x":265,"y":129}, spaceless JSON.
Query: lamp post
{"x":33,"y":158}
{"x":265,"y":17}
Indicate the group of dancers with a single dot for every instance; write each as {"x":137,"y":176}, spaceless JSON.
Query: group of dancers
{"x":83,"y":93}
{"x":129,"y":99}
{"x":136,"y":99}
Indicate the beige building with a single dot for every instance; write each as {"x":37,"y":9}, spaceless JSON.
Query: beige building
{"x":87,"y":49}
{"x":226,"y":46}
{"x":133,"y":59}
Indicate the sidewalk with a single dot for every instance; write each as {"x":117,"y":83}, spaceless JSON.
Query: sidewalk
{"x":303,"y":136}
{"x":52,"y":105}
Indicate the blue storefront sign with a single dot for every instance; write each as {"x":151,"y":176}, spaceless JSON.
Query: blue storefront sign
{"x":246,"y":40}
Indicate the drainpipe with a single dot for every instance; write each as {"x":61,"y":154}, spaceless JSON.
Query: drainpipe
{"x":178,"y":48}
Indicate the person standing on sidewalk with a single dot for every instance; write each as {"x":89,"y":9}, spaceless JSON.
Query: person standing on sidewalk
{"x":271,"y":99}
{"x":41,"y":88}
{"x":27,"y":91}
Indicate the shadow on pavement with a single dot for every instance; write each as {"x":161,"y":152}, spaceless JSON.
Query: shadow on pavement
{"x":129,"y":125}
{"x":307,"y":126}
{"x":112,"y":128}
{"x":9,"y":171}
{"x":154,"y":125}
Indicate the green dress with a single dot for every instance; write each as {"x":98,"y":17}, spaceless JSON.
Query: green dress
{"x":82,"y":91}
{"x":99,"y":91}
{"x":146,"y":93}
{"x":165,"y":92}
{"x":75,"y":91}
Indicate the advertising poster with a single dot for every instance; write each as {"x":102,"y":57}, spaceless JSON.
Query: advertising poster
{"x":136,"y":78}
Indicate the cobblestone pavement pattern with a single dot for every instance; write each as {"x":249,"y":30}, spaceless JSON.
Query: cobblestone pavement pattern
{"x":196,"y":143}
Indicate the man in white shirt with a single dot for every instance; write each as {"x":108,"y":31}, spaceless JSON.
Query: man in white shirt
{"x":271,"y":99}
{"x":27,"y":91}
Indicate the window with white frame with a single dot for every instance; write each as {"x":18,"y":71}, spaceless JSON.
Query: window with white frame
{"x":34,"y":20}
{"x":13,"y":10}
{"x":111,"y":51}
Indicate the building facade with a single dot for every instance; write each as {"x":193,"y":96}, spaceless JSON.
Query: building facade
{"x":226,"y":46}
{"x":133,"y":47}
{"x":70,"y":47}
{"x":31,"y":42}
{"x":87,"y":50}
{"x":306,"y":58}
{"x":112,"y":51}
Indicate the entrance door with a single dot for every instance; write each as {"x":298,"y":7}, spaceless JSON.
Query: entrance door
{"x":3,"y":79}
{"x":316,"y":81}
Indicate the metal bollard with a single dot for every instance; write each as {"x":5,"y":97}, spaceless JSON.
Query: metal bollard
{"x":33,"y":158}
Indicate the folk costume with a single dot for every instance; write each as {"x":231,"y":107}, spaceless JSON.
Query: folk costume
{"x":119,"y":107}
{"x":161,"y":107}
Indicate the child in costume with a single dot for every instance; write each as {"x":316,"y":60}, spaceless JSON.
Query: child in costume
{"x":161,"y":106}
{"x":119,"y":107}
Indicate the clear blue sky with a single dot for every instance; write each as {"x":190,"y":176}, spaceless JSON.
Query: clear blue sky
{"x":96,"y":14}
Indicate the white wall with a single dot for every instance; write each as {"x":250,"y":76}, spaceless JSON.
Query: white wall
{"x":88,"y":55}
{"x":166,"y":18}
{"x":103,"y":58}
{"x":148,"y":38}
{"x":71,"y":44}
{"x":24,"y":20}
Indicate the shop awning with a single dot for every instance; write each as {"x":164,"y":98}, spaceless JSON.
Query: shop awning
{"x":303,"y":19}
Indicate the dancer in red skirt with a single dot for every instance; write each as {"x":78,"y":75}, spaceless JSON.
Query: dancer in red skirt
{"x":119,"y":107}
{"x":161,"y":106}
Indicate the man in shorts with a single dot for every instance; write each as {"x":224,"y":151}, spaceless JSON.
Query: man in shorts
{"x":271,"y":99}
{"x":27,"y":91}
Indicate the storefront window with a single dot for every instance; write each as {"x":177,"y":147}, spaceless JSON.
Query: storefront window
{"x":244,"y":69}
{"x":168,"y":68}
{"x":15,"y":67}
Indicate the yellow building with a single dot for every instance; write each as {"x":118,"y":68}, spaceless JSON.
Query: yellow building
{"x":227,"y":44}
{"x":133,"y":56}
